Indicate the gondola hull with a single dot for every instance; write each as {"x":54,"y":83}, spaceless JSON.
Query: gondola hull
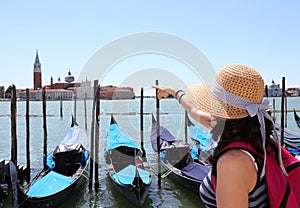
{"x":135,"y":196}
{"x":176,"y":176}
{"x":58,"y":198}
{"x":126,"y":167}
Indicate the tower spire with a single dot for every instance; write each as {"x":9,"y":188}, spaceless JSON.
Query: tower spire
{"x":37,"y":60}
{"x":37,"y":72}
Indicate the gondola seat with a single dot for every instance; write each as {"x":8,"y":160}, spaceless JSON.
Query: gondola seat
{"x":123,"y":156}
{"x":69,"y":161}
{"x":177,"y":155}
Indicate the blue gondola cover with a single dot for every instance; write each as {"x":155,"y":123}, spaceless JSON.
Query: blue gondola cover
{"x":116,"y":138}
{"x":202,"y":137}
{"x":127,"y":175}
{"x":51,"y":183}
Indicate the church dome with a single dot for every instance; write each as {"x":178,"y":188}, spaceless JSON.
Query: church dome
{"x":69,"y":78}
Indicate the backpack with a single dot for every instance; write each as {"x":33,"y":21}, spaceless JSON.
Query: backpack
{"x":283,"y":191}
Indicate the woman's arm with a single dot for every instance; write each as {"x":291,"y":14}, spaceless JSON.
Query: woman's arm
{"x":204,"y":118}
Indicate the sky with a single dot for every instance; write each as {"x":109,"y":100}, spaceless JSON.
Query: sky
{"x":262,"y":34}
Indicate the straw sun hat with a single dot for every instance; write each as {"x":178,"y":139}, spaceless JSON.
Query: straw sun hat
{"x":237,"y":79}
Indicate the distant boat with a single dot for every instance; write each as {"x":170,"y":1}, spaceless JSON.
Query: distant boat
{"x":291,"y":139}
{"x":176,"y":160}
{"x":63,"y":174}
{"x":129,"y":172}
{"x":297,"y":118}
{"x":203,"y":141}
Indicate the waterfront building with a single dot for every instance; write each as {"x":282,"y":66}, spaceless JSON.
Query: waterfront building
{"x":274,"y":90}
{"x":55,"y":91}
{"x":67,"y":88}
{"x":293,"y":91}
{"x":115,"y":93}
{"x":85,"y":90}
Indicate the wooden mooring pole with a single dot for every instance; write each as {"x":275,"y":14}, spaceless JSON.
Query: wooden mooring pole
{"x":142,"y":123}
{"x":27,"y":137}
{"x":92,"y":137}
{"x":13,"y":110}
{"x":61,"y":107}
{"x":185,"y":126}
{"x":282,"y":111}
{"x":14,"y":150}
{"x":286,"y":110}
{"x":158,"y":139}
{"x":44,"y":121}
{"x":266,"y":91}
{"x":274,"y":116}
{"x":97,"y":126}
{"x":85,"y":113}
{"x":75,"y":104}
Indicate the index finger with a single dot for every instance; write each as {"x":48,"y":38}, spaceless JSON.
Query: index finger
{"x":157,"y":87}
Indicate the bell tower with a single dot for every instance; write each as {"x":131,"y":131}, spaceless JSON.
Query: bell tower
{"x":37,"y":73}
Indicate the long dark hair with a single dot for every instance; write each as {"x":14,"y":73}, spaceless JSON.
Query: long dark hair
{"x":245,"y":129}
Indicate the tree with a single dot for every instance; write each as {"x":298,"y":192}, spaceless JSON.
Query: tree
{"x":8,"y":91}
{"x":1,"y":91}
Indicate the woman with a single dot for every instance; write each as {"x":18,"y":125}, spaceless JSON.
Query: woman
{"x":232,"y":108}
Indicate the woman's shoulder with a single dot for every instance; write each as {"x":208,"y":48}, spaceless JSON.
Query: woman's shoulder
{"x":235,"y":157}
{"x":237,"y":166}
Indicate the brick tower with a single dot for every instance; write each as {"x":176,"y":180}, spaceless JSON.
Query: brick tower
{"x":37,"y":73}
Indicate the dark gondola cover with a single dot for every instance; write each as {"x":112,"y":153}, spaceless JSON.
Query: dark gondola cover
{"x":63,"y":174}
{"x":291,"y":140}
{"x":177,"y":161}
{"x":297,"y":118}
{"x":129,"y":172}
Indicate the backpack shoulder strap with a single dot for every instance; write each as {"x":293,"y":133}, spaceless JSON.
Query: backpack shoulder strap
{"x":243,"y":146}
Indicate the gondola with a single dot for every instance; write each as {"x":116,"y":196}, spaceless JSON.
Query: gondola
{"x":176,"y":160}
{"x":128,"y":170}
{"x":63,"y":174}
{"x":291,"y":139}
{"x":297,"y":118}
{"x":203,"y":146}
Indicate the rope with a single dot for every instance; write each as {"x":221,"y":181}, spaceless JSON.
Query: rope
{"x":103,"y":176}
{"x":167,"y":173}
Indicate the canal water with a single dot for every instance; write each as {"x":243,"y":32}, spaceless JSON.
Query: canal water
{"x":126,"y":113}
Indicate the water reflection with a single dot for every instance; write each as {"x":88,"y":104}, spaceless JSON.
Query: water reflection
{"x":169,"y":195}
